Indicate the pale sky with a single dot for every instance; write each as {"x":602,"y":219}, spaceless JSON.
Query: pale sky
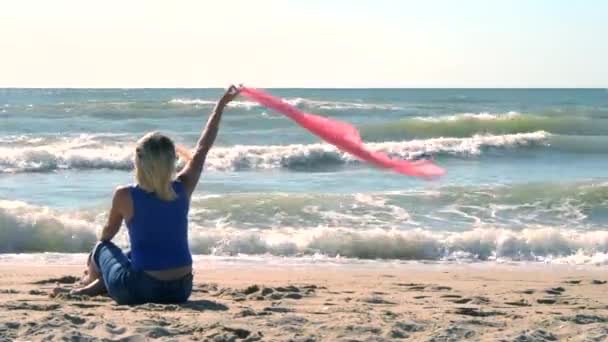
{"x":304,"y":43}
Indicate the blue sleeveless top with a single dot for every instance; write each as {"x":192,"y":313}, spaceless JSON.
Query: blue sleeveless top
{"x":158,"y":230}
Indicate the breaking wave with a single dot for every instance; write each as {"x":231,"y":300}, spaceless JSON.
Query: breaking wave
{"x":26,"y":228}
{"x":463,"y":125}
{"x":298,"y":101}
{"x":547,"y":222}
{"x":89,"y":153}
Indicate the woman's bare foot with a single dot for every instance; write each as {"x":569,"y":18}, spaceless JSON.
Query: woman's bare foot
{"x":90,"y":274}
{"x":95,"y":288}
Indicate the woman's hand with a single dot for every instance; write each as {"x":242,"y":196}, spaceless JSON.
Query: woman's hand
{"x":231,"y":93}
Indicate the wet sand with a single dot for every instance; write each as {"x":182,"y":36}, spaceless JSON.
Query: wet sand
{"x":322,"y":303}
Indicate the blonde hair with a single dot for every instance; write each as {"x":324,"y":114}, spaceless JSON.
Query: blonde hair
{"x":155,"y":165}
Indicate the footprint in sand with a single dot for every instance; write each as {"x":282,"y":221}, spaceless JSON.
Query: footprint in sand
{"x":155,"y":307}
{"x":72,"y":335}
{"x":585,"y":319}
{"x":546,"y":301}
{"x":133,"y":338}
{"x":476,"y":312}
{"x":249,"y":312}
{"x":74,"y":319}
{"x":537,"y":335}
{"x":60,"y":280}
{"x":206,"y":288}
{"x":223,"y":333}
{"x":298,"y":338}
{"x":556,"y":291}
{"x":376,"y":300}
{"x":156,"y":332}
{"x":598,"y":334}
{"x":38,"y":293}
{"x":475,"y":300}
{"x":203,"y":305}
{"x":528,"y":291}
{"x":30,"y":306}
{"x":85,"y":305}
{"x":165,"y":327}
{"x":521,"y":302}
{"x":8,"y":291}
{"x":462,"y":301}
{"x":451,"y":296}
{"x":453,"y":333}
{"x":409,"y":284}
{"x":278,"y":309}
{"x":290,"y":323}
{"x":441,"y":288}
{"x":256,"y":292}
{"x":9,"y":326}
{"x":8,"y":331}
{"x":409,"y":326}
{"x":362,"y":330}
{"x":417,"y":288}
{"x":481,"y":323}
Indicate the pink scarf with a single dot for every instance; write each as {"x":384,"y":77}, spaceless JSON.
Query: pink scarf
{"x":344,"y":136}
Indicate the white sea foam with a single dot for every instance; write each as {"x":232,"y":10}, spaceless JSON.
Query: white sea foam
{"x":485,"y":116}
{"x":297,"y":101}
{"x":201,"y":102}
{"x":28,"y":228}
{"x":87,"y":152}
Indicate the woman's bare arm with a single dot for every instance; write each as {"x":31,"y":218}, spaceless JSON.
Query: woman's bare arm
{"x":192,"y":171}
{"x":120,"y":205}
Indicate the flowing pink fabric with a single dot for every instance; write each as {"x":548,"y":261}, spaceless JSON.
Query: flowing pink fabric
{"x":343,"y":136}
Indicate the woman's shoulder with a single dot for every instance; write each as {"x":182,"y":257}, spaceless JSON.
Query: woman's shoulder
{"x":122,"y":192}
{"x":123,"y":202}
{"x":123,"y":189}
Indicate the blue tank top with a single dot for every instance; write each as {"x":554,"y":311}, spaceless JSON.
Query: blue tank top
{"x":158,"y":230}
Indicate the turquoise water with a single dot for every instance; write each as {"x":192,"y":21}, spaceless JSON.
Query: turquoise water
{"x":526,"y":172}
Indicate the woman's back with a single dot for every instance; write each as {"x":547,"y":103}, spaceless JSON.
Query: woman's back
{"x":158,"y":230}
{"x":160,"y":266}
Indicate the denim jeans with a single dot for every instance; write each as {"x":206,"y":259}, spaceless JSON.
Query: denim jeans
{"x":128,"y":286}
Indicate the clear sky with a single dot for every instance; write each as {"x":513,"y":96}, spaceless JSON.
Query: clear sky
{"x":304,"y":43}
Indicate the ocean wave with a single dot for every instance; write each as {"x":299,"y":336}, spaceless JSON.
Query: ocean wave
{"x":21,"y":139}
{"x":472,"y":116}
{"x":109,"y":110}
{"x":27,"y":229}
{"x":46,"y":159}
{"x":67,"y":141}
{"x":463,"y":125}
{"x":183,"y":107}
{"x":567,"y":205}
{"x":88,"y":153}
{"x":297,"y":101}
{"x":211,"y":103}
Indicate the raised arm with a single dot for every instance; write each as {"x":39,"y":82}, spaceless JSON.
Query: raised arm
{"x":192,"y":171}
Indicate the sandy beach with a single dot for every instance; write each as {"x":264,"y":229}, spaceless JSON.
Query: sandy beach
{"x":322,"y":303}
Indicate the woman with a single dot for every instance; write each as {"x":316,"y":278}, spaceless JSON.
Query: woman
{"x":159,"y":267}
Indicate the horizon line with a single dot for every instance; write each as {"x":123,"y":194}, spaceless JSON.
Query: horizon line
{"x":319,"y":88}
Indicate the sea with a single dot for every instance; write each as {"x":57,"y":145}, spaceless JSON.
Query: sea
{"x":527,"y":174}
